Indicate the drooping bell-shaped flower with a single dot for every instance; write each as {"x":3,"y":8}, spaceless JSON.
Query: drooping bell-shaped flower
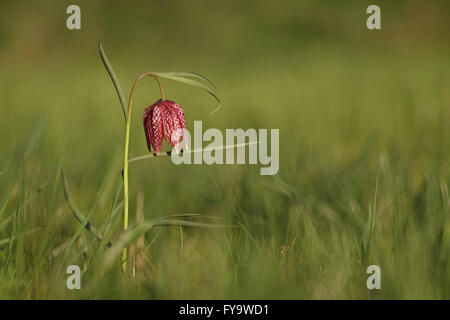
{"x":165,"y":119}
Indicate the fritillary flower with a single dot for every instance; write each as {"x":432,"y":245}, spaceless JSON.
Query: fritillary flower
{"x":165,"y":119}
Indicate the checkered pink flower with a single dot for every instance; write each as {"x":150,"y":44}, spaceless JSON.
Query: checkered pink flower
{"x":165,"y":119}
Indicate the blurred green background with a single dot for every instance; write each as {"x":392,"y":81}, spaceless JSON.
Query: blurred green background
{"x":363,"y":118}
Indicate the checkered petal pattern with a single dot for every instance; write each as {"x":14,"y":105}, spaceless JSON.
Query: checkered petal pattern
{"x":165,"y":119}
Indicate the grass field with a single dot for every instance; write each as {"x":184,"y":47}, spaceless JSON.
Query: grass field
{"x":364,"y":151}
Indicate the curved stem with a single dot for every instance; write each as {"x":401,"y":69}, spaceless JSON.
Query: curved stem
{"x":125,"y":155}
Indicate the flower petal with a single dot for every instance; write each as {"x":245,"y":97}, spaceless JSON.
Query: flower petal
{"x":177,"y":134}
{"x":176,"y":109}
{"x":148,"y":126}
{"x":167,"y":121}
{"x":157,"y":128}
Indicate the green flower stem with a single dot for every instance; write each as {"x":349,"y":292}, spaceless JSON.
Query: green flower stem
{"x":125,"y":156}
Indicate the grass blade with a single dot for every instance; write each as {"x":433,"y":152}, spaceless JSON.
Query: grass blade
{"x":189,"y":215}
{"x":8,"y":240}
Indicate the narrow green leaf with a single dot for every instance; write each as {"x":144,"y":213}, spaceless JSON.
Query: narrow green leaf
{"x":169,"y":153}
{"x":109,"y":226}
{"x":114,"y":79}
{"x":129,"y":236}
{"x":187,"y":74}
{"x":249,"y":235}
{"x":5,"y":223}
{"x":77,"y":213}
{"x":183,"y":79}
{"x":189,"y":215}
{"x":8,"y":240}
{"x":23,"y":204}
